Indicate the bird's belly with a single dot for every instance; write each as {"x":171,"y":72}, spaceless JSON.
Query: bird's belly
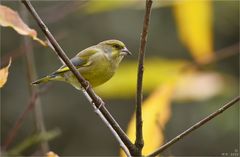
{"x":97,"y":75}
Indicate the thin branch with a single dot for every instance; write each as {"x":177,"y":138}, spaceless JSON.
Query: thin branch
{"x":32,"y":75}
{"x":195,"y":126}
{"x":13,"y":132}
{"x":224,"y":53}
{"x":85,"y":84}
{"x":139,"y":135}
{"x":221,"y":54}
{"x":122,"y":145}
{"x":98,"y":112}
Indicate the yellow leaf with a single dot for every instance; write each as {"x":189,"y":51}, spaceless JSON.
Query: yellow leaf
{"x":156,"y":72}
{"x":194,"y":21}
{"x":4,"y":74}
{"x":156,"y":113}
{"x":10,"y":18}
{"x":51,"y":154}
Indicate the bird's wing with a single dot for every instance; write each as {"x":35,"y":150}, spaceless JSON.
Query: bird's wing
{"x":88,"y":52}
{"x":80,"y":60}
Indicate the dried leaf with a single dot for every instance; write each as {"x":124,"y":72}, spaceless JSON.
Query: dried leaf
{"x":10,"y":18}
{"x":156,"y":113}
{"x":194,"y":21}
{"x":4,"y":74}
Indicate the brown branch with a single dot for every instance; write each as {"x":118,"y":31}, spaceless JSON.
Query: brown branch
{"x":139,"y":143}
{"x":85,"y":84}
{"x":32,"y":75}
{"x":195,"y":126}
{"x":221,"y":54}
{"x":13,"y":132}
{"x":32,"y":102}
{"x":224,"y":53}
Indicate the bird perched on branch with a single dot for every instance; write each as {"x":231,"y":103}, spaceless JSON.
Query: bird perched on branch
{"x":97,"y":64}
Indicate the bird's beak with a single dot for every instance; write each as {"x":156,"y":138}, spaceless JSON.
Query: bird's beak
{"x":125,"y":52}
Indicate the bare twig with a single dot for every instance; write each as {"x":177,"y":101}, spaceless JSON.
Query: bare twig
{"x":224,"y":53}
{"x":13,"y":132}
{"x":85,"y":84}
{"x":220,"y":55}
{"x":139,"y":135}
{"x":32,"y":75}
{"x":98,"y":112}
{"x":195,"y":126}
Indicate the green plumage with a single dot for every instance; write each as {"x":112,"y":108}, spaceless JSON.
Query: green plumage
{"x":97,"y":64}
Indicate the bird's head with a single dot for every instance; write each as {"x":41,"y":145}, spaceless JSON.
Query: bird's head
{"x":115,"y":48}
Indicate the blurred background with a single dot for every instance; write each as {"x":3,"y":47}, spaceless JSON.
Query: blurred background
{"x":192,"y":51}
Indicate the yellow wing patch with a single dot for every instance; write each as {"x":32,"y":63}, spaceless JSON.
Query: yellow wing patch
{"x":80,"y":60}
{"x":65,"y":68}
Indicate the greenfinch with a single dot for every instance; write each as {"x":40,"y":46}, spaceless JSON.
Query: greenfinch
{"x":97,"y":64}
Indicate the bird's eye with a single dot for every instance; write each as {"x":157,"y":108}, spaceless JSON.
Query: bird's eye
{"x":117,"y":46}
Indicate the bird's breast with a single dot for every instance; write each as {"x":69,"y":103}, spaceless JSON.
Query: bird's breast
{"x":99,"y":71}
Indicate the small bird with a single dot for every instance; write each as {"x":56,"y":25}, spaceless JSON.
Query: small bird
{"x":97,"y":64}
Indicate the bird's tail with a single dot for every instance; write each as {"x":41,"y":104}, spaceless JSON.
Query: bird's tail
{"x":42,"y":80}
